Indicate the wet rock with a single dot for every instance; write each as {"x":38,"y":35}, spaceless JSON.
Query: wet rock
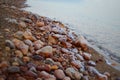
{"x":18,"y":53}
{"x":67,"y":78}
{"x":22,"y":24}
{"x":71,"y":72}
{"x":38,"y":44}
{"x":77,"y":64}
{"x":87,"y":56}
{"x":102,"y":77}
{"x":79,"y":57}
{"x":20,"y":45}
{"x":28,"y":42}
{"x":91,"y":63}
{"x":28,"y":35}
{"x":40,"y":24}
{"x":59,"y":74}
{"x":46,"y":51}
{"x":59,"y":30}
{"x":65,"y":50}
{"x":13,"y":69}
{"x":31,"y":74}
{"x":10,"y":44}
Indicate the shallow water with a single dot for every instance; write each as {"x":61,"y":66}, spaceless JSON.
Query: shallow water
{"x":98,"y":20}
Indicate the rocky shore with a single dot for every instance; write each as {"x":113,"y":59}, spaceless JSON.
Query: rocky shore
{"x":34,"y":47}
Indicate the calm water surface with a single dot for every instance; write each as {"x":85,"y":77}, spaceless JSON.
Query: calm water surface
{"x":98,"y":20}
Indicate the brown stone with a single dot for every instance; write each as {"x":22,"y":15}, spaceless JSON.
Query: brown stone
{"x":59,"y":74}
{"x":40,"y":24}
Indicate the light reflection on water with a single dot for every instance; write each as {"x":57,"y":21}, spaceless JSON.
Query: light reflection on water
{"x":98,"y":19}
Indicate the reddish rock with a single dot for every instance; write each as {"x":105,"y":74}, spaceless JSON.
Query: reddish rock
{"x":18,"y":53}
{"x":77,"y":64}
{"x":59,"y":74}
{"x":40,"y":24}
{"x":28,"y":42}
{"x":51,"y":40}
{"x":44,"y":67}
{"x":31,"y":74}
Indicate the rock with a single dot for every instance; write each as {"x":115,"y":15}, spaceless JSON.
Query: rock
{"x":30,"y":64}
{"x":7,"y":49}
{"x":6,"y":30}
{"x":54,"y":67}
{"x":102,"y":77}
{"x":71,"y":72}
{"x":26,"y":59}
{"x":16,"y":59}
{"x":33,"y":69}
{"x":67,"y":78}
{"x":40,"y":24}
{"x":18,"y":53}
{"x":91,"y":63}
{"x":28,"y":35}
{"x":18,"y":34}
{"x":15,"y":63}
{"x":79,"y":57}
{"x":14,"y":21}
{"x":85,"y":78}
{"x":59,"y":30}
{"x":107,"y":74}
{"x":37,"y":57}
{"x":49,"y":61}
{"x":24,"y":68}
{"x":59,"y":74}
{"x":22,"y":24}
{"x":4,"y":64}
{"x":28,"y":42}
{"x":10,"y":44}
{"x":44,"y":67}
{"x":87,"y":56}
{"x":31,"y":74}
{"x":81,"y":42}
{"x":21,"y":78}
{"x":20,"y":45}
{"x":13,"y":69}
{"x":77,"y":64}
{"x":51,"y":40}
{"x":46,"y":51}
{"x":38,"y":44}
{"x":117,"y":78}
{"x":46,"y":76}
{"x":66,"y":44}
{"x":26,"y":20}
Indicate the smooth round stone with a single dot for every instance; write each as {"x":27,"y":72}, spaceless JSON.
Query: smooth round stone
{"x":59,"y":74}
{"x":18,"y":53}
{"x":31,"y":74}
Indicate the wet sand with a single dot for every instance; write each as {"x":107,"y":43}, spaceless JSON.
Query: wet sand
{"x":8,"y":29}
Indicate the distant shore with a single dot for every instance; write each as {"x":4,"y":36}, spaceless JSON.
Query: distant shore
{"x":13,"y":20}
